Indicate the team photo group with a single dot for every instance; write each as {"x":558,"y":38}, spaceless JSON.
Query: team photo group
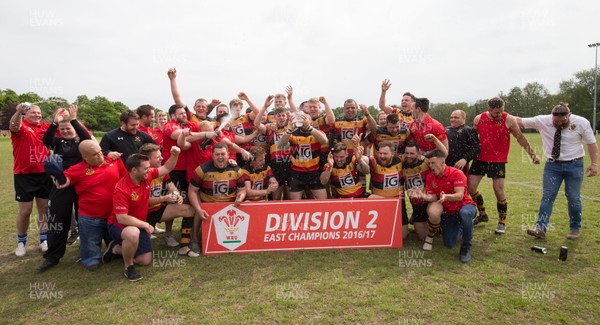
{"x":160,"y":166}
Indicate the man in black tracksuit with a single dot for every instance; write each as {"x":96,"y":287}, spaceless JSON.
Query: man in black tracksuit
{"x":60,"y":204}
{"x":463,"y":142}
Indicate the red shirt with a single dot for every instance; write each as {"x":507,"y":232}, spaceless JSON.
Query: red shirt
{"x":159,"y":136}
{"x":95,"y":186}
{"x":168,"y":130}
{"x":149,"y":131}
{"x":446,"y":183}
{"x":494,"y":138}
{"x":29,"y":151}
{"x":132,"y":199}
{"x":418,"y":131}
{"x":197,"y":156}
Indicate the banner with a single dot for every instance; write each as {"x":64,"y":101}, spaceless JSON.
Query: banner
{"x":302,"y":224}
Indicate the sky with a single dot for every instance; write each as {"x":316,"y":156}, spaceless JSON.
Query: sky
{"x":448,"y":51}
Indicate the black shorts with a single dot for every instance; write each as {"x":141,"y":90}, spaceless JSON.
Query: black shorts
{"x":154,"y":216}
{"x":299,"y":181}
{"x":491,"y":169}
{"x":282,"y":173}
{"x":419,"y":213}
{"x":178,"y":178}
{"x":144,"y":244}
{"x":404,"y":213}
{"x":30,"y":186}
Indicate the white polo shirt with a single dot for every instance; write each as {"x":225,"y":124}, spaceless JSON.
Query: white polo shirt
{"x":578,"y":132}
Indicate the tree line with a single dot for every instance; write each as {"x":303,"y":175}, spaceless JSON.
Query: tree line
{"x":101,"y":114}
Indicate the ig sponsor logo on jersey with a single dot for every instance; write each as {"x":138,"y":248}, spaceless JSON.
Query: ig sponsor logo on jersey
{"x":220,"y":188}
{"x":346,"y":180}
{"x":304,"y":152}
{"x":258,"y":185}
{"x":347,"y":134}
{"x":390,"y":181}
{"x":238,"y":129}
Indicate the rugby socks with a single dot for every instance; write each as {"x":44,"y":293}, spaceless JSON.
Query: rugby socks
{"x":186,"y":230}
{"x":502,"y":211}
{"x":22,"y":239}
{"x":43,"y":236}
{"x":480,"y":205}
{"x":433,"y":228}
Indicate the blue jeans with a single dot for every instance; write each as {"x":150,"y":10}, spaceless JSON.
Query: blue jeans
{"x":455,"y":225}
{"x":91,"y":233}
{"x":554,"y":174}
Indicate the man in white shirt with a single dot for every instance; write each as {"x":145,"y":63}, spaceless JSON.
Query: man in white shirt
{"x":563,"y":135}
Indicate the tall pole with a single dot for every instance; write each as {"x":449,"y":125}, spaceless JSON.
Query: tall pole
{"x":595,"y":86}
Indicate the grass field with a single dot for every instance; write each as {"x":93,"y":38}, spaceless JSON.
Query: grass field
{"x":505,"y":283}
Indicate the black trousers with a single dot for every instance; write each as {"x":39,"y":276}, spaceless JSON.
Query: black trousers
{"x":60,"y":211}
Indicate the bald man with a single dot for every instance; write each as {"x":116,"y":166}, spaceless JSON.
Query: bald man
{"x":94,"y":179}
{"x":463,"y":142}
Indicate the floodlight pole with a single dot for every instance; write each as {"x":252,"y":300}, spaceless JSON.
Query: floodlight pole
{"x":595,"y":86}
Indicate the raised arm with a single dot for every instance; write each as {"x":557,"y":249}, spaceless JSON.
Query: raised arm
{"x":171,"y":162}
{"x":442,"y":146}
{"x":329,"y":116}
{"x":242,"y":96}
{"x":290,"y":92}
{"x":362,"y":161}
{"x":262,"y":111}
{"x":371,"y":124}
{"x":172,"y":73}
{"x":385,"y":85}
{"x":17,"y":119}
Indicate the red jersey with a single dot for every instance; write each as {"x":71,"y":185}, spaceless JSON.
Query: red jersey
{"x":131,"y":199}
{"x":159,"y":136}
{"x":196,"y":156}
{"x":168,"y":130}
{"x":29,"y":151}
{"x":446,"y":183}
{"x":418,"y":131}
{"x":149,"y":131}
{"x":494,"y":138}
{"x":95,"y":186}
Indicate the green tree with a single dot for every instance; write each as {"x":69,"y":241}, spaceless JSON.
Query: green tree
{"x":579,"y":93}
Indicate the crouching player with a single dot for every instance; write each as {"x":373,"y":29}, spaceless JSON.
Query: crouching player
{"x":450,"y":205}
{"x":127,"y":225}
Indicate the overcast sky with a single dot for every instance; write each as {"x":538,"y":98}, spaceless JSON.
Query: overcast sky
{"x":448,"y":51}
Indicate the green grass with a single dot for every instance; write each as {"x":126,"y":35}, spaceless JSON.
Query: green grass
{"x":505,"y":282}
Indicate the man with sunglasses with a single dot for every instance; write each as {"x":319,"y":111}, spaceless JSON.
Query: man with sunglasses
{"x":563,"y":135}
